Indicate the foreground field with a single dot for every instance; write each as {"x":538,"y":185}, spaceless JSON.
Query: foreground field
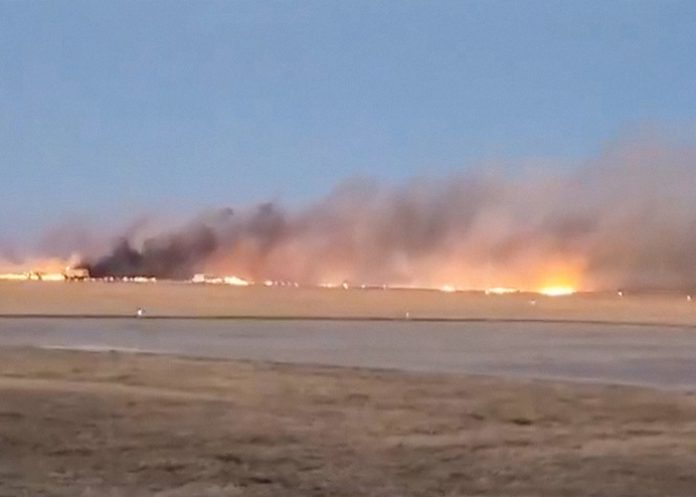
{"x":185,"y":299}
{"x":82,"y":424}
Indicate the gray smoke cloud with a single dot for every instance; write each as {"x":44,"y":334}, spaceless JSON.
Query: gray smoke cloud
{"x":626,"y":219}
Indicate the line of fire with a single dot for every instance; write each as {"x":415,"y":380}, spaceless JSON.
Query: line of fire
{"x":79,"y":274}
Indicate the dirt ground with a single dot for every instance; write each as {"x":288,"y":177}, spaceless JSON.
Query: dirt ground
{"x":185,"y":299}
{"x":86,"y":424}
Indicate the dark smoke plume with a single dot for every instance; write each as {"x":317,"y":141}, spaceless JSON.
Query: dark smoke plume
{"x":624,"y":220}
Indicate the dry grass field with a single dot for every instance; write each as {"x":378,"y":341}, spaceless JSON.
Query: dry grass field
{"x":184,"y":299}
{"x":81,"y":424}
{"x":76,"y":424}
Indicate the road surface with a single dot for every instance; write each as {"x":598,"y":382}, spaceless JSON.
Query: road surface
{"x":653,"y":355}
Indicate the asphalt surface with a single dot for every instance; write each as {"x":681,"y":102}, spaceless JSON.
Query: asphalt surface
{"x":648,"y":355}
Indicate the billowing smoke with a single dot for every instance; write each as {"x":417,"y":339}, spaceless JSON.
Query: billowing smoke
{"x":624,"y":220}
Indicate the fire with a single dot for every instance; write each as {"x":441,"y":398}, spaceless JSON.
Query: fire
{"x":344,"y":285}
{"x":500,"y":290}
{"x":14,"y":276}
{"x":235,"y":281}
{"x":557,"y":291}
{"x":43,"y":270}
{"x":561,"y":278}
{"x":68,"y":274}
{"x":33,"y":276}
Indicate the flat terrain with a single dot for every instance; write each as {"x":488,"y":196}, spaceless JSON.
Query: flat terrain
{"x":654,"y":355}
{"x":185,"y":299}
{"x":85,"y":424}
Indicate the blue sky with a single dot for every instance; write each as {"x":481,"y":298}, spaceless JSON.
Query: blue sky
{"x":112,"y":109}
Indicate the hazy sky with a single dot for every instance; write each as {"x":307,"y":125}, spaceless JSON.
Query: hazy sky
{"x":111,"y":109}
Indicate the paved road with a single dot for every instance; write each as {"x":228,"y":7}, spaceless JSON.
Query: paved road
{"x":644,"y":355}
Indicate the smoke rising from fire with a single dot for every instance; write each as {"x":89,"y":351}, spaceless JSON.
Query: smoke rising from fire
{"x":626,"y":219}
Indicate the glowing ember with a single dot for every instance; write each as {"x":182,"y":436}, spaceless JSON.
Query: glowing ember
{"x":557,"y":291}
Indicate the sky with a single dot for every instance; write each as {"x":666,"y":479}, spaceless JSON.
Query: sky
{"x":109,"y":110}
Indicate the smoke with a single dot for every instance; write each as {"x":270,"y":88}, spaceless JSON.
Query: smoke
{"x":626,"y":219}
{"x":8,"y":255}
